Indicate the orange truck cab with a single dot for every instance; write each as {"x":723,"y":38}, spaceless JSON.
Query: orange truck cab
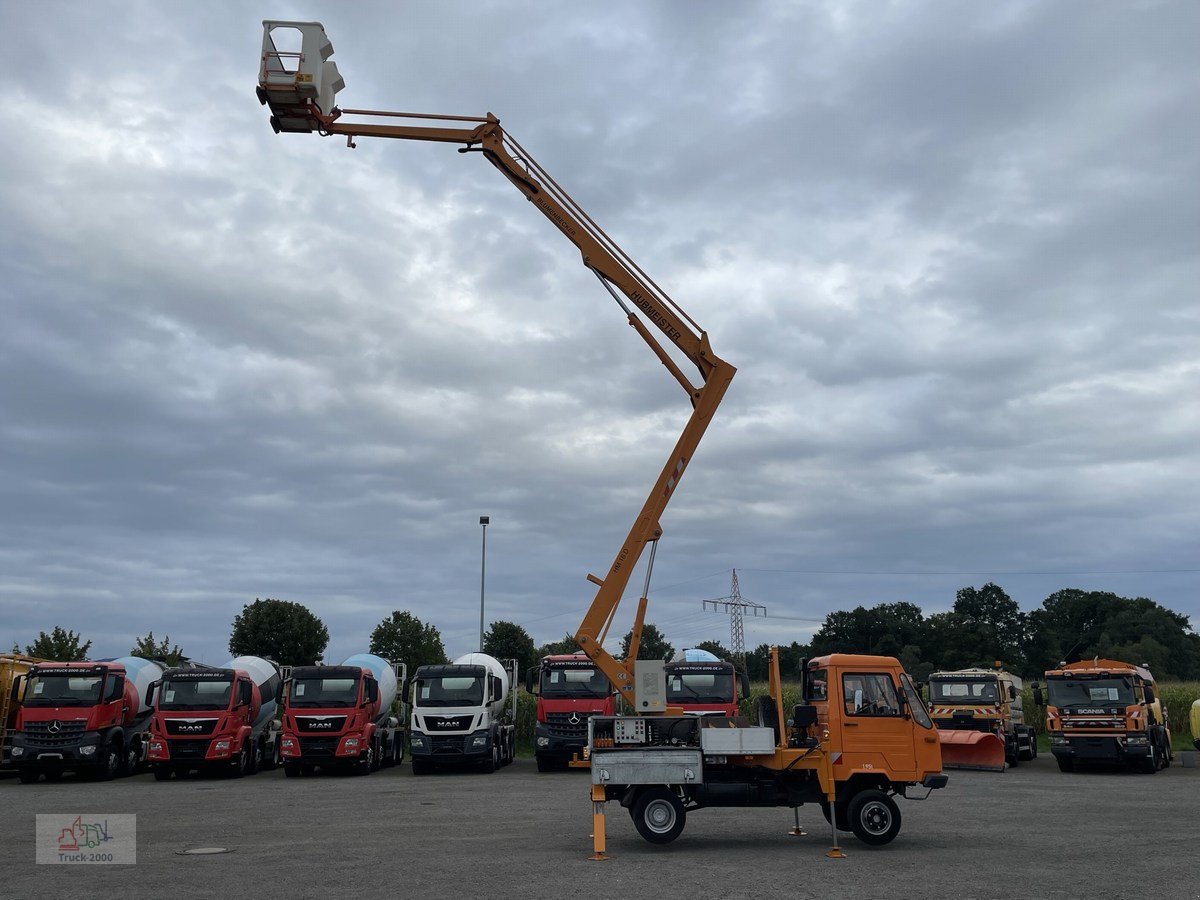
{"x":1105,"y":711}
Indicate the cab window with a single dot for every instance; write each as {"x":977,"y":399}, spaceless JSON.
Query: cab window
{"x":869,"y":694}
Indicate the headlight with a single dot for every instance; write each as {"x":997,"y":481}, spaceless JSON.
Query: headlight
{"x":85,"y":751}
{"x":543,"y":742}
{"x":1057,"y":740}
{"x":287,"y":744}
{"x":222,"y":745}
{"x":479,"y":740}
{"x":351,"y":743}
{"x":18,"y":751}
{"x":1138,"y":739}
{"x":156,"y":747}
{"x":418,"y":740}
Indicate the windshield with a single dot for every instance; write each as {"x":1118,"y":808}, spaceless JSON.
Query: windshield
{"x":461,"y":690}
{"x":913,"y":698}
{"x":63,"y":690}
{"x":699,"y":687}
{"x":1114,"y":692}
{"x":323,"y":692}
{"x":574,"y":683}
{"x":966,"y":690}
{"x":196,"y":694}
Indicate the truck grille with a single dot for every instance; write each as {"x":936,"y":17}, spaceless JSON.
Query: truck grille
{"x":318,"y":747}
{"x":447,"y":723}
{"x":190,"y":726}
{"x":41,"y":734}
{"x":325,"y":724}
{"x":448,"y":746}
{"x":188,"y":749}
{"x":559,"y":724}
{"x":1105,"y":724}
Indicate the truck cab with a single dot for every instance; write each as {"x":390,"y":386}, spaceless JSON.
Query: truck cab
{"x":705,"y":687}
{"x":570,"y":689}
{"x":980,"y":719}
{"x":86,"y":717}
{"x":1105,"y":711}
{"x":211,"y":719}
{"x":459,"y":715}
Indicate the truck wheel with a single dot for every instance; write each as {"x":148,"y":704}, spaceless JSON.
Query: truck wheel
{"x":28,"y":775}
{"x":162,"y":773}
{"x":291,"y":770}
{"x":130,"y":760}
{"x":843,"y":824}
{"x":1029,"y":752}
{"x":421,"y":767}
{"x":658,"y":815}
{"x":53,"y":775}
{"x":240,"y":764}
{"x":271,"y":759}
{"x":110,"y":762}
{"x":366,"y":761}
{"x":1065,"y":763}
{"x":874,"y":817}
{"x":544,"y":765}
{"x":491,"y":764}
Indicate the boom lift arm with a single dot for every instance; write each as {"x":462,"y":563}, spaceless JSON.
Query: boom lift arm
{"x":299,"y":87}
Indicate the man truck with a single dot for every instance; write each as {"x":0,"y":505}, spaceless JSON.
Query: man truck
{"x":220,"y":719}
{"x":460,"y":714}
{"x":85,"y":717}
{"x":340,"y":717}
{"x":980,"y":719}
{"x":570,"y":690}
{"x":1105,"y":711}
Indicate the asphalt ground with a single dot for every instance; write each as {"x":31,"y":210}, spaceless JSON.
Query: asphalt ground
{"x":1031,"y":832}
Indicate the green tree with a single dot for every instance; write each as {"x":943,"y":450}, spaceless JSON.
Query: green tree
{"x":508,"y":640}
{"x":147,"y":648}
{"x":556,"y":648}
{"x":884,"y":629}
{"x":402,"y":637}
{"x":281,"y":630}
{"x":59,"y":646}
{"x":654,"y":644}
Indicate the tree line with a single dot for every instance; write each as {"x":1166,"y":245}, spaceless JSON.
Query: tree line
{"x":984,"y":626}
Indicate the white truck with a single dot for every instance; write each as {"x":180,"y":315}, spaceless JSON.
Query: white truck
{"x":463,"y":713}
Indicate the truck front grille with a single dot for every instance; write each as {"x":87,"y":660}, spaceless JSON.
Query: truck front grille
{"x":559,"y":724}
{"x":318,"y":747}
{"x":53,"y":734}
{"x":448,"y":746}
{"x":188,"y":749}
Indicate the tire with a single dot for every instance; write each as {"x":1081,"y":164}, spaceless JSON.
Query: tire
{"x":27,"y":775}
{"x":130,"y":761}
{"x":421,"y":767}
{"x":365,"y":764}
{"x":874,"y":817}
{"x":389,"y":758}
{"x":272,"y":760}
{"x":544,"y":765}
{"x":1152,"y":763}
{"x":240,"y":764}
{"x":53,"y":775}
{"x":110,"y":763}
{"x":843,"y":823}
{"x":292,"y":770}
{"x":256,"y":759}
{"x":1031,"y":753}
{"x":1065,"y":763}
{"x":493,"y":762}
{"x":658,"y":815}
{"x":162,"y":773}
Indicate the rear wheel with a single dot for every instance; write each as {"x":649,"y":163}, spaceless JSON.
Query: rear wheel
{"x":492,"y":763}
{"x":1030,"y":751}
{"x":874,"y":817}
{"x":110,"y":762}
{"x":843,"y":824}
{"x":130,"y":761}
{"x":658,"y":815}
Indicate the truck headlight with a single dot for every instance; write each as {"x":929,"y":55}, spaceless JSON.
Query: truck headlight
{"x":479,"y":740}
{"x":18,"y":751}
{"x":1057,"y":740}
{"x":418,"y":741}
{"x":543,"y":742}
{"x":1137,"y":739}
{"x":351,"y":743}
{"x":89,"y":750}
{"x":222,"y":746}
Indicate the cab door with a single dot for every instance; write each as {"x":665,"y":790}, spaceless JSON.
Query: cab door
{"x":876,"y":734}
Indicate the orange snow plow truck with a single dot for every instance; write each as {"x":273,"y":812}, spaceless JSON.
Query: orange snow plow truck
{"x":1105,"y":711}
{"x":980,"y":720}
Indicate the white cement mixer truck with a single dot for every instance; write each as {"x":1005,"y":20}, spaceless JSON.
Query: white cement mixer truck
{"x":463,"y":713}
{"x":341,"y":716}
{"x":220,"y":719}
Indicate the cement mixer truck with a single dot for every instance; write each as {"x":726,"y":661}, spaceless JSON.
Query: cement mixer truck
{"x":85,"y":717}
{"x":461,"y":714}
{"x":220,"y":719}
{"x":341,"y":717}
{"x":13,"y":666}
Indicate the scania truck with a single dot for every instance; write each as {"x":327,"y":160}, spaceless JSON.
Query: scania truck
{"x":570,"y":690}
{"x":220,"y":719}
{"x":460,"y":715}
{"x":1105,"y":711}
{"x":86,"y":717}
{"x":341,"y":717}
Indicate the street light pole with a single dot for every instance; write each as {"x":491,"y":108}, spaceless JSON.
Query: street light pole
{"x":483,"y":521}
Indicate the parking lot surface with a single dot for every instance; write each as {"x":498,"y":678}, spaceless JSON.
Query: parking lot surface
{"x":1031,"y":832}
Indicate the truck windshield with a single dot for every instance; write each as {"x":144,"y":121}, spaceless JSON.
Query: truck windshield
{"x":963,"y":691}
{"x":63,"y":690}
{"x":1114,"y":692}
{"x":179,"y":693}
{"x":450,"y":691}
{"x":311,"y":693}
{"x":699,"y":687}
{"x":574,"y":683}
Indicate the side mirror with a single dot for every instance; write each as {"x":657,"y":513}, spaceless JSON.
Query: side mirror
{"x":18,"y":685}
{"x":529,"y":673}
{"x":496,"y":690}
{"x":744,"y":685}
{"x":372,"y":691}
{"x":1038,"y":699}
{"x":279,"y":693}
{"x":116,"y":689}
{"x":406,"y":688}
{"x":150,"y":689}
{"x":1149,"y":694}
{"x":1012,"y":692}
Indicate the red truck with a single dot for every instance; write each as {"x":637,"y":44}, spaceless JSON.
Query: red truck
{"x":85,"y":717}
{"x":218,"y":719}
{"x":705,"y":687}
{"x":570,"y":690}
{"x":340,"y":717}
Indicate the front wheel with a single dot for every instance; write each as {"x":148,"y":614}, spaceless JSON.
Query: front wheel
{"x":421,"y":767}
{"x":874,"y":817}
{"x":659,"y":815}
{"x":492,"y":763}
{"x":1065,"y":763}
{"x":366,"y":761}
{"x":28,"y":775}
{"x":162,"y":773}
{"x":292,"y":770}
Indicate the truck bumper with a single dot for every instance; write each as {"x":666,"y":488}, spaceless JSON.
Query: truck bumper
{"x":80,"y":754}
{"x":547,"y":745}
{"x":450,"y":748}
{"x":1114,"y":750}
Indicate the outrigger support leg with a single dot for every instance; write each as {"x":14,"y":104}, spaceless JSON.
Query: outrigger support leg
{"x":834,"y":852}
{"x":598,"y":800}
{"x":797,"y":831}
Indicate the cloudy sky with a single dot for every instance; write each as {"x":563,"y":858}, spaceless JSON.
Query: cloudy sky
{"x":952,"y":249}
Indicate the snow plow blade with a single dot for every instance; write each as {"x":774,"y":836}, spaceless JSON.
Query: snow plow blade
{"x":971,"y":750}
